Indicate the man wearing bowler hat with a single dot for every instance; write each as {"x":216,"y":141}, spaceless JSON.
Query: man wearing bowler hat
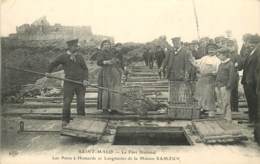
{"x":177,"y":65}
{"x":75,"y":69}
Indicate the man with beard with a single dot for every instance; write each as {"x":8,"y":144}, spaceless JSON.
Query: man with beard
{"x":178,"y":63}
{"x":248,"y":63}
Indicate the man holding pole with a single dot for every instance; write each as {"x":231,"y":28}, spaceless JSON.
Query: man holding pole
{"x":75,"y":69}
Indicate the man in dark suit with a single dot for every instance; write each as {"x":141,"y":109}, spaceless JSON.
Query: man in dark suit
{"x":159,"y":57}
{"x":257,"y":75}
{"x":248,"y":63}
{"x":146,"y":56}
{"x":150,"y":58}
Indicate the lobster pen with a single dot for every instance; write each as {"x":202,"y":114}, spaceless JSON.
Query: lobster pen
{"x":135,"y":101}
{"x":182,"y":105}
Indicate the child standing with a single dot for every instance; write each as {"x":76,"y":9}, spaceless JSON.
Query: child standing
{"x":225,"y":81}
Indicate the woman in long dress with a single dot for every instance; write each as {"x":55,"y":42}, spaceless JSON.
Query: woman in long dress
{"x":109,"y":77}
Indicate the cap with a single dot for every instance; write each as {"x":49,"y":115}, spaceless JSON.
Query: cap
{"x":176,"y":39}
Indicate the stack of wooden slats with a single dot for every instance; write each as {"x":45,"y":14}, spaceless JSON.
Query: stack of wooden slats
{"x":81,"y":127}
{"x":218,"y":131}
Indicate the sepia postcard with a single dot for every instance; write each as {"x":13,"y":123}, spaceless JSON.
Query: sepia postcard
{"x":130,"y":81}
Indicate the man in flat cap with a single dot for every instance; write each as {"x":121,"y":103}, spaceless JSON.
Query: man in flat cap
{"x":75,"y":69}
{"x":225,"y":82}
{"x":232,"y":47}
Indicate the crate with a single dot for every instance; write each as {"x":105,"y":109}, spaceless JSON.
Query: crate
{"x":184,"y":111}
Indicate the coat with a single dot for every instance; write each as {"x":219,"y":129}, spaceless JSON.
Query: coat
{"x":109,"y":77}
{"x":159,"y":57}
{"x":74,"y":70}
{"x":226,"y":75}
{"x":249,"y":67}
{"x":257,"y":75}
{"x":178,"y":64}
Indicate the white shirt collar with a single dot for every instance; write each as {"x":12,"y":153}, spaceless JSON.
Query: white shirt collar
{"x":225,"y":61}
{"x":68,"y":52}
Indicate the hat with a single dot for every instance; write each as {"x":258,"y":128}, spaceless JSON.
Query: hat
{"x":255,"y":39}
{"x":195,"y":42}
{"x":247,"y":36}
{"x":105,"y":41}
{"x":176,"y":39}
{"x":212,"y":45}
{"x":72,"y":42}
{"x":211,"y":41}
{"x":206,"y":39}
{"x":229,"y":41}
{"x":118,"y":44}
{"x":219,"y":38}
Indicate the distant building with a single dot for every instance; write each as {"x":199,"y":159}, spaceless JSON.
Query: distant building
{"x":42,"y":30}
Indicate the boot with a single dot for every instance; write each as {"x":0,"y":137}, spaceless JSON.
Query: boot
{"x":64,"y":124}
{"x":257,"y":133}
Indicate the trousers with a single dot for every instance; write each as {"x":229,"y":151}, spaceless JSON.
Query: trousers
{"x":251,"y":98}
{"x":69,"y":90}
{"x":234,"y":97}
{"x":223,"y":99}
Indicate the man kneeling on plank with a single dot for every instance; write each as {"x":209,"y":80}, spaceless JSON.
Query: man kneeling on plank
{"x":75,"y":69}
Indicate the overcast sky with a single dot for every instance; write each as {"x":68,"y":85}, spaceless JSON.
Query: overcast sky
{"x":138,"y":20}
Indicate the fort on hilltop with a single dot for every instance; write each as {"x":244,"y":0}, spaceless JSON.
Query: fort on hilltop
{"x":41,"y":29}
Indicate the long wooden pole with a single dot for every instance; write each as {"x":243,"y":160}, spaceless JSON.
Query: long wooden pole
{"x":196,"y":19}
{"x":77,"y":82}
{"x":60,"y":78}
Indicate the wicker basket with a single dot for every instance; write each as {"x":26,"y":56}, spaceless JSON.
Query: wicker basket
{"x":184,"y":111}
{"x":180,"y":92}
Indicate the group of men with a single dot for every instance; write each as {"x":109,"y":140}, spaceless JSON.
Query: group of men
{"x":182,"y":66}
{"x":156,"y":54}
{"x":208,"y":71}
